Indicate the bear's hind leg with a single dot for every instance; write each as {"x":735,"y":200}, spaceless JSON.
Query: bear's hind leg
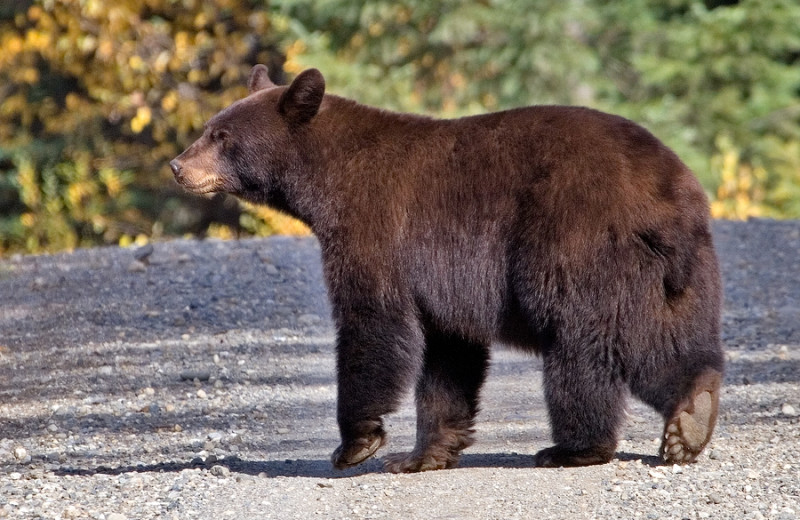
{"x":688,"y":428}
{"x":447,"y":401}
{"x":585,"y":401}
{"x":685,"y":390}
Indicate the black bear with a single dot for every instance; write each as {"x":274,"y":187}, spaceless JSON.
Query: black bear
{"x":563,"y":231}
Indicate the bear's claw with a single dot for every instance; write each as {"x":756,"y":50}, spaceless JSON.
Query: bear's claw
{"x":357,"y":452}
{"x":689,"y":429}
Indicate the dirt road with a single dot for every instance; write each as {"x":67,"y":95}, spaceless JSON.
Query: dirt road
{"x":201,"y":385}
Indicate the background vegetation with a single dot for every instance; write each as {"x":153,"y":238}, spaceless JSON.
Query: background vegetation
{"x":97,"y":96}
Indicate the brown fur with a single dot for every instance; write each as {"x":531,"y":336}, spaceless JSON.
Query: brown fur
{"x":565,"y":231}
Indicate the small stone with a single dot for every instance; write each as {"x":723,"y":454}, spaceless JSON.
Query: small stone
{"x":752,"y":474}
{"x":15,"y":475}
{"x":136,"y":267}
{"x":116,"y":516}
{"x":714,"y":498}
{"x":220,"y":471}
{"x":283,"y":431}
{"x":142,"y":254}
{"x":788,"y":410}
{"x":20,"y":453}
{"x":677,"y":469}
{"x":306,"y":320}
{"x":202,"y":394}
{"x":105,"y":370}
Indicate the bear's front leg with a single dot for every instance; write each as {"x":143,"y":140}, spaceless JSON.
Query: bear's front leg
{"x":447,"y":402}
{"x":379,"y":351}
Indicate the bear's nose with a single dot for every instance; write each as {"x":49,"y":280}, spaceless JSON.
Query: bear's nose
{"x":176,"y":167}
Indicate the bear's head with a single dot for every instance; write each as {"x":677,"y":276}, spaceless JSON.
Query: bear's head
{"x":246,"y":149}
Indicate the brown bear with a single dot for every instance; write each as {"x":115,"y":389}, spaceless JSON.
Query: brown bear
{"x":563,"y":231}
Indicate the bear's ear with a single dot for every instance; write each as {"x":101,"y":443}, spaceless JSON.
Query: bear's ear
{"x":300,"y":102}
{"x":259,"y":79}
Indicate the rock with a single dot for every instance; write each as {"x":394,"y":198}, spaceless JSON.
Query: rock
{"x":306,"y":320}
{"x":116,"y":516}
{"x":136,"y":267}
{"x":220,"y":471}
{"x":788,"y":410}
{"x":143,"y":253}
{"x":20,"y":453}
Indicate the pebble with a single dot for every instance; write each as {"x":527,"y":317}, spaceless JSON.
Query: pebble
{"x":116,"y":516}
{"x":136,"y":267}
{"x":202,"y":394}
{"x":220,"y":471}
{"x":20,"y":453}
{"x":788,"y":410}
{"x":142,"y":254}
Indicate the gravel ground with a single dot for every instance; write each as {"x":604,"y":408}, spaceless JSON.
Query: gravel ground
{"x":200,"y":384}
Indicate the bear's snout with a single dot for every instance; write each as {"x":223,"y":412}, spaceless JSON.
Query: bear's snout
{"x":176,"y":168}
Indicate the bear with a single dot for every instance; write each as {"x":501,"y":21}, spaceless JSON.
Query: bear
{"x":566,"y":232}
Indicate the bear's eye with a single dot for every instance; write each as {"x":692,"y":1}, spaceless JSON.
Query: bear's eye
{"x":219,"y":135}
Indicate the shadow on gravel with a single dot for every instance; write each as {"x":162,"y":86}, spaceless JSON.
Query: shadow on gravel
{"x":322,"y":468}
{"x":318,"y":468}
{"x":776,"y":370}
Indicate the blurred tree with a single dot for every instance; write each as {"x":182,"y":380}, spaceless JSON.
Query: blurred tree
{"x":715,"y":79}
{"x":98,"y":96}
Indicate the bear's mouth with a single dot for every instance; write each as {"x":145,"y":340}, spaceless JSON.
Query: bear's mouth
{"x":207,"y":185}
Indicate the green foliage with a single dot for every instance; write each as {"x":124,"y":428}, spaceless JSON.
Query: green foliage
{"x":699,"y":76}
{"x":96,"y":97}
